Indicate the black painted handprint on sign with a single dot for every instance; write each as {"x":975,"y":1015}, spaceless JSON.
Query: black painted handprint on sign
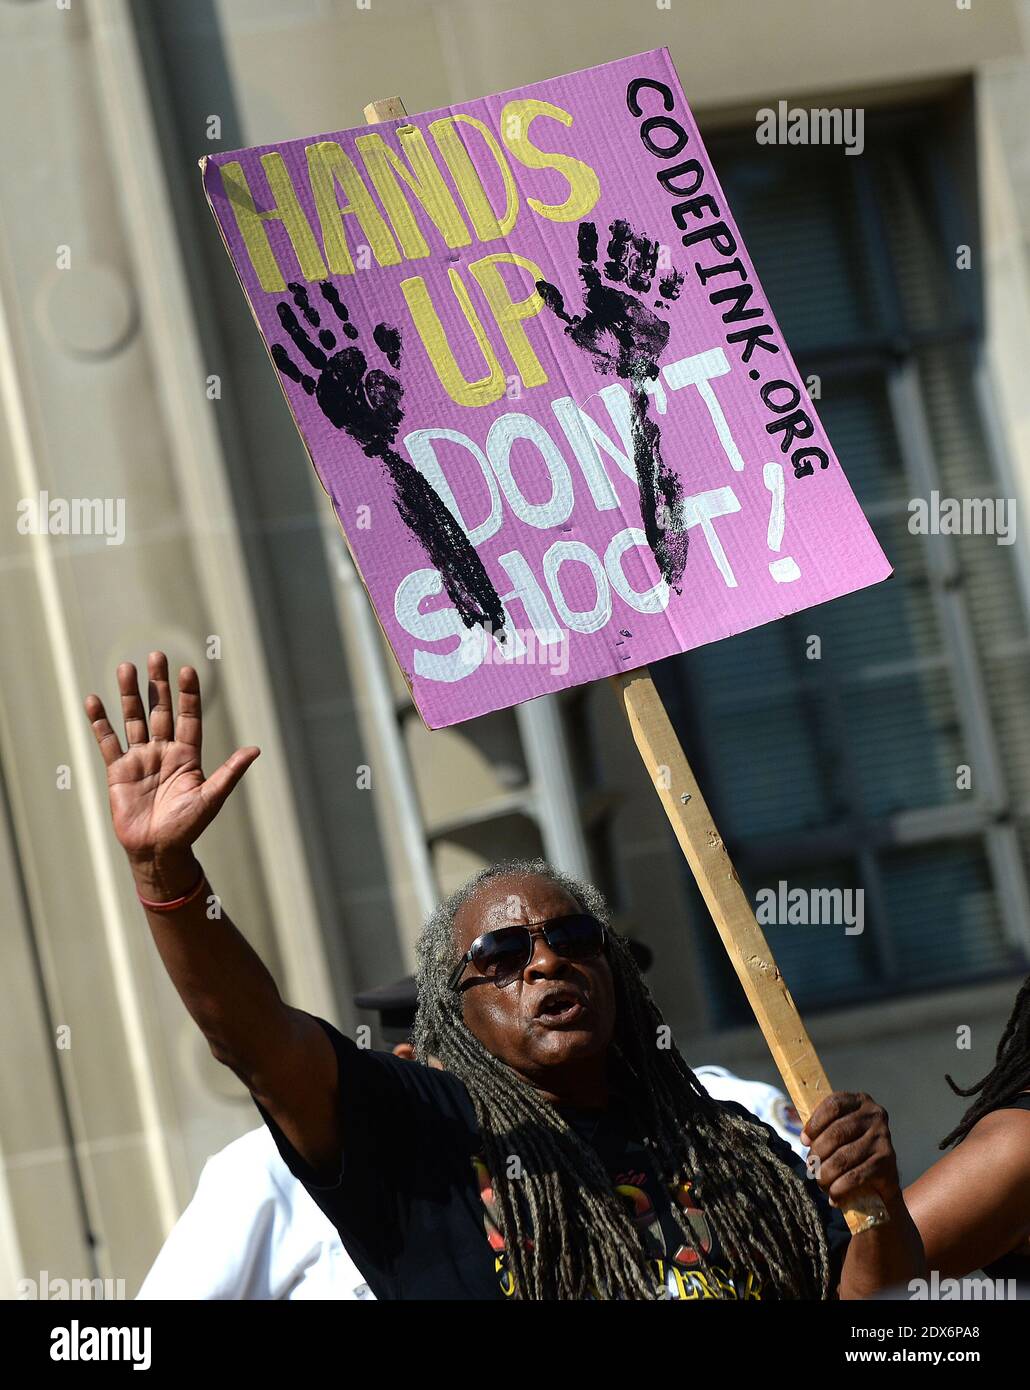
{"x":626,"y":338}
{"x":366,"y":404}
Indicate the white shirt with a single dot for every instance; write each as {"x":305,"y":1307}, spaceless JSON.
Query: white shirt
{"x":252,"y":1232}
{"x":764,"y":1101}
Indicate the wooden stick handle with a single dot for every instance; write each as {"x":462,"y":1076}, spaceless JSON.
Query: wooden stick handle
{"x":731,"y":912}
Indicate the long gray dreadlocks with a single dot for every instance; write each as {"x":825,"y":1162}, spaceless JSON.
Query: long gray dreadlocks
{"x":567,"y":1234}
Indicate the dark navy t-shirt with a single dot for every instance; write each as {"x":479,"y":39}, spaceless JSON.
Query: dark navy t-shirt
{"x":413,"y":1200}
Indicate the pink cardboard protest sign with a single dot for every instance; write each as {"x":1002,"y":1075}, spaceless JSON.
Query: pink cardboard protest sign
{"x":537,"y":375}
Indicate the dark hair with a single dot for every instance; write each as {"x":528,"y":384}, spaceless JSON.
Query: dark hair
{"x":567,"y":1234}
{"x":1009,"y":1075}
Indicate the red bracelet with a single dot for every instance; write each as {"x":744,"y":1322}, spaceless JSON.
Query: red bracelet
{"x":175,"y":902}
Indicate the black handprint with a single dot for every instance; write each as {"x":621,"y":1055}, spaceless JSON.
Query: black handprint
{"x":366,"y":404}
{"x":625,"y":337}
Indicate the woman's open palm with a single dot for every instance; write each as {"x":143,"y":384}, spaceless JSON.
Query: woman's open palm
{"x":160,"y":800}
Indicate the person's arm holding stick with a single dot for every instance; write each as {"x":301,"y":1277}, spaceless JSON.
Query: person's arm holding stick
{"x":160,"y":805}
{"x":850,"y":1150}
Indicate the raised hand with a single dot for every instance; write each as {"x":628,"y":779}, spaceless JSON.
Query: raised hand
{"x":620,"y":332}
{"x":623,"y":336}
{"x":161,"y":801}
{"x":366,"y":403}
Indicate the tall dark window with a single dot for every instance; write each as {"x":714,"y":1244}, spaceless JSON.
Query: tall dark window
{"x":844,"y":771}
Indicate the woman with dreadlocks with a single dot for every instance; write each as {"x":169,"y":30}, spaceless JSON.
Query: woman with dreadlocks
{"x":973,"y":1206}
{"x":565,"y":1151}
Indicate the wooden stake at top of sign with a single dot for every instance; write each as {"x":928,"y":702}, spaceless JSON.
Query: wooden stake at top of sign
{"x":744,"y":940}
{"x":388,"y":109}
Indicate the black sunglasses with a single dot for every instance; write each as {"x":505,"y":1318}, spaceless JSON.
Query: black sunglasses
{"x":502,"y":954}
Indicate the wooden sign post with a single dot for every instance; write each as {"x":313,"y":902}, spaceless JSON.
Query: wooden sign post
{"x":744,"y":940}
{"x":745,"y":943}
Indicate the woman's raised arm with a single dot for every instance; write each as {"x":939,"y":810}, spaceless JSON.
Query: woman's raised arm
{"x":161,"y":803}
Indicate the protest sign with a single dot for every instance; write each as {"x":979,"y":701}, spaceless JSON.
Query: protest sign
{"x":537,"y":375}
{"x":619,"y":334}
